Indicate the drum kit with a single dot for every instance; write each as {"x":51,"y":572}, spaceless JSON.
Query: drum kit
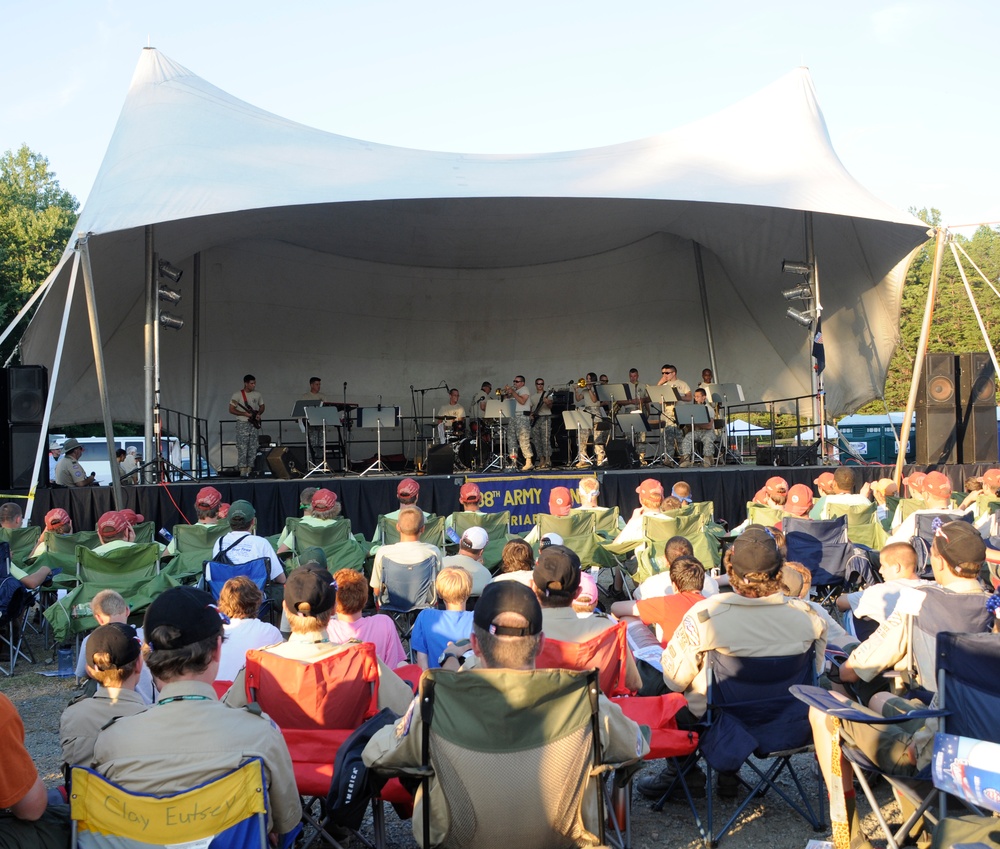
{"x":451,"y":430}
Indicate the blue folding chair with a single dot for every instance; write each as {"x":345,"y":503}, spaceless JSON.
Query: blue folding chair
{"x":214,"y":576}
{"x":753,"y":720}
{"x":925,"y":525}
{"x":407,"y":588}
{"x":834,"y":562}
{"x":968,"y":702}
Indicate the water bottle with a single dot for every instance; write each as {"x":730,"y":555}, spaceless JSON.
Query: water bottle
{"x":65,"y":661}
{"x":166,"y":536}
{"x":452,"y":535}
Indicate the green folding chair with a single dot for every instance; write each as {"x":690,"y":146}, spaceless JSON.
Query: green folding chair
{"x":22,"y":541}
{"x":340,"y":546}
{"x":194,"y":546}
{"x":579,"y":534}
{"x":497,"y":525}
{"x":59,"y":550}
{"x":433,"y":531}
{"x":863,"y":525}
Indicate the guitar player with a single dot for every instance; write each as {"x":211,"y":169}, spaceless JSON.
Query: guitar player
{"x":248,"y":407}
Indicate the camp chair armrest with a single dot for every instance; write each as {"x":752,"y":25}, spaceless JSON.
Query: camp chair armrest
{"x":840,"y":707}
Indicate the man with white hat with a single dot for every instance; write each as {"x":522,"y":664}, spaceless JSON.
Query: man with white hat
{"x":69,"y":472}
{"x":470,"y":558}
{"x":54,"y":451}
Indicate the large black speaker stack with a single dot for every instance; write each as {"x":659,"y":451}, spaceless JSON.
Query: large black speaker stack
{"x":957,"y":410}
{"x":22,"y":395}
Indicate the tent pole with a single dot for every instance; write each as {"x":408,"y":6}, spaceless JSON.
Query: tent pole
{"x":83,"y":245}
{"x":703,"y":291}
{"x":940,"y":237}
{"x":43,"y":436}
{"x":196,"y":448}
{"x":148,"y":341}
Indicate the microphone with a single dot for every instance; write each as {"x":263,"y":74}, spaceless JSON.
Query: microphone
{"x":380,"y":403}
{"x":345,"y":385}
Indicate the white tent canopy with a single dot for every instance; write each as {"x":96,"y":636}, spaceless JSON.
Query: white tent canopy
{"x":390,"y":268}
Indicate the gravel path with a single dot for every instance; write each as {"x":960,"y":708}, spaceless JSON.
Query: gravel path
{"x":40,"y":701}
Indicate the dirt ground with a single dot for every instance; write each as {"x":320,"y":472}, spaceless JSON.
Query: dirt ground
{"x":765,"y":825}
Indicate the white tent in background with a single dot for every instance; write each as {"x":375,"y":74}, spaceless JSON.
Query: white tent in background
{"x":388,"y":268}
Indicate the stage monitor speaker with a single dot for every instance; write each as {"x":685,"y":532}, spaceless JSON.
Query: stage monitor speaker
{"x":621,"y":454}
{"x":25,"y":390}
{"x":787,"y":455}
{"x":977,"y":418}
{"x":937,"y":411}
{"x":282,"y":464}
{"x":440,"y":460}
{"x":17,"y":459}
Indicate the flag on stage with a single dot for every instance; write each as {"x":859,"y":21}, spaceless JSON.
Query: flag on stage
{"x":818,"y":349}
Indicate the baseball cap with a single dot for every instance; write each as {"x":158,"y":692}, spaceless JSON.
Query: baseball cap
{"x":131,"y":516}
{"x":936,"y":484}
{"x":800,"y":500}
{"x":508,"y":597}
{"x":793,"y":581}
{"x":885,"y":486}
{"x":474,"y":539}
{"x":56,"y":517}
{"x":112,"y":522}
{"x":208,"y":498}
{"x":776,"y":484}
{"x":70,"y":444}
{"x":408,"y":488}
{"x":755,"y":551}
{"x":223,"y":509}
{"x":469,"y":493}
{"x":116,"y":639}
{"x":550,"y":539}
{"x":825,"y":479}
{"x":189,"y":613}
{"x":309,"y":592}
{"x":242,"y":510}
{"x":960,"y":542}
{"x":323,"y":499}
{"x":650,"y":488}
{"x":560,"y":501}
{"x":557,"y":571}
{"x":991,"y":478}
{"x":313,"y":558}
{"x":915,"y":481}
{"x":588,"y":586}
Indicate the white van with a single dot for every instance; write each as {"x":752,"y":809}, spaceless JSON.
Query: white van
{"x":95,"y":453}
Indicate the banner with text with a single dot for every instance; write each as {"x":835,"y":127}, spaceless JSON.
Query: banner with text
{"x":524,"y":496}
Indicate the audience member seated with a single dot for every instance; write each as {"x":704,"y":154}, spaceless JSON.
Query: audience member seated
{"x":206,"y":506}
{"x":407,"y":493}
{"x":517,"y":562}
{"x":115,"y":531}
{"x":587,"y":596}
{"x":409,"y":550}
{"x":349,"y":624}
{"x":507,"y":635}
{"x":560,"y":504}
{"x":844,"y":483}
{"x":660,"y":584}
{"x":114,"y":660}
{"x":241,"y":545}
{"x":824,"y":487}
{"x":663,"y":613}
{"x":470,"y":558}
{"x":305,"y":505}
{"x":589,"y":490}
{"x":881,"y":490}
{"x":30,"y":820}
{"x":310,"y":596}
{"x":110,"y":607}
{"x":324,"y":510}
{"x":10,"y":515}
{"x":434,"y":629}
{"x":240,"y":601}
{"x":755,"y":620}
{"x":57,"y":521}
{"x":650,"y":498}
{"x":470,"y":498}
{"x":555,"y":579}
{"x":800,"y":500}
{"x":877,"y":602}
{"x":773,"y":496}
{"x":190,"y":737}
{"x":954,"y":602}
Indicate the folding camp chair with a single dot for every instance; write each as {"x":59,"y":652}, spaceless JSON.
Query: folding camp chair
{"x":538,"y":742}
{"x":342,"y":550}
{"x":15,"y":603}
{"x":925,"y":525}
{"x":59,"y":550}
{"x":607,"y":653}
{"x":606,"y":523}
{"x":752,"y":718}
{"x":968,"y":700}
{"x":579,"y":533}
{"x":145,"y":532}
{"x":316,"y":705}
{"x":433,"y":532}
{"x":497,"y":525}
{"x":863,"y":526}
{"x":215,"y":575}
{"x":22,"y":541}
{"x":407,"y":588}
{"x":823,"y":548}
{"x":230,"y":811}
{"x":194,"y":545}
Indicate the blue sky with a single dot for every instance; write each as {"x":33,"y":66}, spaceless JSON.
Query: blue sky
{"x":905,"y":87}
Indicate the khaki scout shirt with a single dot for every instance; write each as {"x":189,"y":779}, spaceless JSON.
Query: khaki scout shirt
{"x":189,"y":737}
{"x":82,"y":721}
{"x":732,"y":624}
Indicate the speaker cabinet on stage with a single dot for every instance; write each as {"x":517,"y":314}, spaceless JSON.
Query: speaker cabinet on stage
{"x":787,"y":455}
{"x":281,"y":462}
{"x":621,"y":454}
{"x":937,"y":411}
{"x":440,"y":460}
{"x":977,"y":417}
{"x":22,"y":395}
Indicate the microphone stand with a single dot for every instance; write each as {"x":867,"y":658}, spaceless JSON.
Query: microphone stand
{"x":417,"y":419}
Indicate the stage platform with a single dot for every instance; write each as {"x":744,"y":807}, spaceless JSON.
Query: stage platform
{"x":364,"y":499}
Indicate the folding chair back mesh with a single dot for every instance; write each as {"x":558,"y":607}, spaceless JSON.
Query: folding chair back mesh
{"x":433,"y":532}
{"x":497,"y":525}
{"x":823,"y":548}
{"x":230,"y":811}
{"x":60,"y":549}
{"x":969,"y":666}
{"x":342,"y":550}
{"x":863,"y":526}
{"x":925,"y":525}
{"x":22,"y":541}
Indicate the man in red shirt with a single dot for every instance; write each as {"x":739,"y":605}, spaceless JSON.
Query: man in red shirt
{"x":664,"y":613}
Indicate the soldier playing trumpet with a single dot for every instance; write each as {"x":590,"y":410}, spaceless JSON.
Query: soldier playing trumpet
{"x":519,"y":425}
{"x":587,"y":400}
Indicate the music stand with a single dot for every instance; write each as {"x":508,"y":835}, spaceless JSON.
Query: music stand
{"x":633,"y":423}
{"x":667,"y":397}
{"x":501,"y":410}
{"x":692,"y":414}
{"x":578,"y":420}
{"x":378,"y":418}
{"x":610,"y":394}
{"x":320,"y":416}
{"x":724,"y":394}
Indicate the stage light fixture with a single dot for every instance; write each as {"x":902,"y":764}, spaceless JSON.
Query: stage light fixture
{"x":791,"y":266}
{"x":801,"y":292}
{"x":171,"y":296}
{"x":171,"y":272}
{"x":171,"y":321}
{"x":804,"y":318}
